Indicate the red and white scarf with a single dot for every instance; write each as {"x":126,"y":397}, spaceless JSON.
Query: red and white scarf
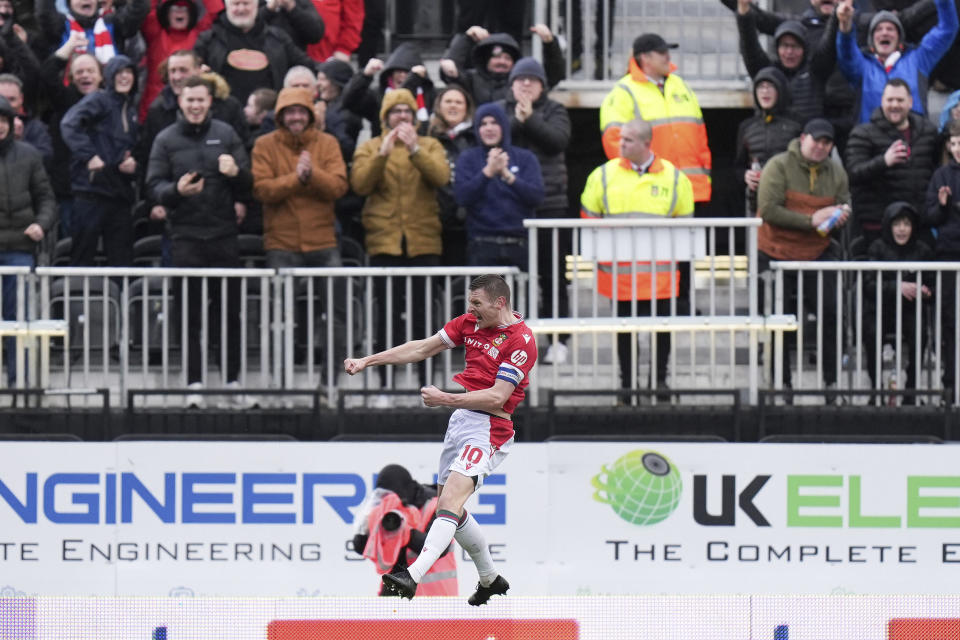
{"x":103,"y":49}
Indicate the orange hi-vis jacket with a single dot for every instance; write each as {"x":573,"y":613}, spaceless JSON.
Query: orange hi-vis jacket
{"x":383,"y":547}
{"x":441,"y":580}
{"x":617,"y":189}
{"x":679,"y":134}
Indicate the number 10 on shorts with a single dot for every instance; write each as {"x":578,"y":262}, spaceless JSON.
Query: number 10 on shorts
{"x":471,"y":455}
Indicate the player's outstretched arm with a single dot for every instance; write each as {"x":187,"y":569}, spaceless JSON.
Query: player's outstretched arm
{"x":413,"y":351}
{"x":490,"y":400}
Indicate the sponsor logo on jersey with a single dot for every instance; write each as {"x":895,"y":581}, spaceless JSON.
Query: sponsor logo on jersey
{"x":526,"y":338}
{"x":480,"y":344}
{"x":518,"y":358}
{"x":493,"y":352}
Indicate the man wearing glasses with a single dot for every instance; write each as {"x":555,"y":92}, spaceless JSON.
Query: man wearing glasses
{"x":399,"y":173}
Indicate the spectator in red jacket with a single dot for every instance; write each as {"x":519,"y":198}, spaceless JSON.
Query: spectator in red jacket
{"x":172,"y":25}
{"x":344,"y":21}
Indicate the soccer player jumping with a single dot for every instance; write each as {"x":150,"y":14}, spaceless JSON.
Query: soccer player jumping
{"x":500,"y":352}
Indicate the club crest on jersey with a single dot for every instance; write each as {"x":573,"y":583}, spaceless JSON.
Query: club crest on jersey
{"x":499,"y":339}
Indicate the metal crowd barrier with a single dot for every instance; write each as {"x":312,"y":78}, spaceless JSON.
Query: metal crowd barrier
{"x":133,"y":329}
{"x":125,"y":330}
{"x":712,"y":322}
{"x":847,"y":318}
{"x":705,"y":29}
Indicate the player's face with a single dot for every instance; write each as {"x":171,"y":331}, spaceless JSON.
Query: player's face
{"x":484,"y":309}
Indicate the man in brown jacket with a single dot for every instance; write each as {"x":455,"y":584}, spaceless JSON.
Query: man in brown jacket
{"x":399,"y":173}
{"x":298,"y":174}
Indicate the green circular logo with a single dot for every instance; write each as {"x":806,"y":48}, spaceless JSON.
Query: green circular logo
{"x":642,"y":487}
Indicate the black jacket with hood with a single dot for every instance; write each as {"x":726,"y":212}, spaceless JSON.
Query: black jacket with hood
{"x":471,"y":60}
{"x":359,"y":98}
{"x":26,"y":196}
{"x":885,"y":249}
{"x":766,"y":133}
{"x":103,"y":124}
{"x":547,"y":134}
{"x":183,"y":147}
{"x":808,"y":81}
{"x":18,"y":59}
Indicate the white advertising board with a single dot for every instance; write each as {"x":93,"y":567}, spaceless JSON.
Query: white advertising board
{"x":509,"y":618}
{"x":275,"y":519}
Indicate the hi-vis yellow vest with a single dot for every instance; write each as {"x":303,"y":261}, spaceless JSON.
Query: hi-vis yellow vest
{"x":616,"y":189}
{"x":679,"y":134}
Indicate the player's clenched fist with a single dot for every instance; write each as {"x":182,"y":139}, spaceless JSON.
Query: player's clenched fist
{"x":431,"y":396}
{"x":353,"y":365}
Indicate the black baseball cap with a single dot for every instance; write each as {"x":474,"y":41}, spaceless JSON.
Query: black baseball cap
{"x":819,"y":128}
{"x":651,"y":42}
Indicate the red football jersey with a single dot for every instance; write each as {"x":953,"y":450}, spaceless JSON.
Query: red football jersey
{"x":506,"y":352}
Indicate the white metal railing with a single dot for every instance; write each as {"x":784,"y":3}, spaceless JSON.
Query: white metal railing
{"x":861,"y":323}
{"x":124,"y":329}
{"x":136,"y":328}
{"x":706,"y":30}
{"x":715,"y":313}
{"x":435,"y":294}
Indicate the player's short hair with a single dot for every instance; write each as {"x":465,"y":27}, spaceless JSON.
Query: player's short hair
{"x":493,"y":285}
{"x":953,"y":128}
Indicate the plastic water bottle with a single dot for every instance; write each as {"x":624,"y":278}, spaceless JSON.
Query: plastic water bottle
{"x":748,"y":194}
{"x":824,"y":227}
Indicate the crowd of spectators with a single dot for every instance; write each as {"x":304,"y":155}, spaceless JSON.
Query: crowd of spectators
{"x":855,"y":83}
{"x":210,"y":118}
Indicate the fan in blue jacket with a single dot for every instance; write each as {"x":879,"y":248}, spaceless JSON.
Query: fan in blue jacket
{"x":889,"y":56}
{"x":500,"y":185}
